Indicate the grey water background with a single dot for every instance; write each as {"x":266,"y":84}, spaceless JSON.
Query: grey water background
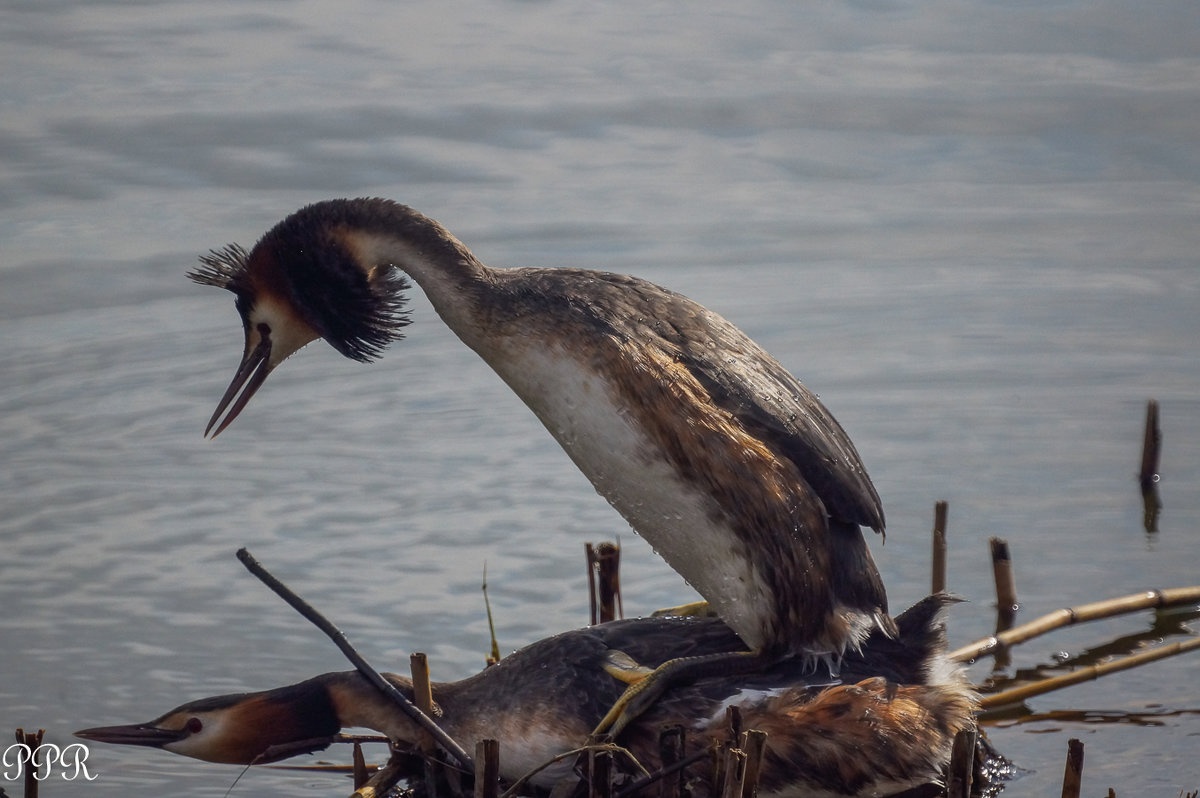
{"x":970,"y":226}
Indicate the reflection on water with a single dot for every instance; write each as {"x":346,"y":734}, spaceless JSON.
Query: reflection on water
{"x":1169,"y":626}
{"x":1061,"y":720}
{"x":971,"y":231}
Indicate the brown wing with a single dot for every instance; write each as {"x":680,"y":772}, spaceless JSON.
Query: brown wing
{"x":746,"y":381}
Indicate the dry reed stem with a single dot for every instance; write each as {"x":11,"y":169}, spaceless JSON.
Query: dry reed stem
{"x":939,"y":547}
{"x":1006,"y":585}
{"x":735,"y":773}
{"x":33,"y":740}
{"x":487,"y":769}
{"x":599,"y":766}
{"x":604,"y":582}
{"x":1108,"y":608}
{"x":961,"y":772}
{"x":754,"y":743}
{"x":1148,"y":473}
{"x":418,"y":665}
{"x":360,"y":767}
{"x":672,"y":742}
{"x":1086,"y":674}
{"x":1073,"y":773}
{"x":1151,"y":447}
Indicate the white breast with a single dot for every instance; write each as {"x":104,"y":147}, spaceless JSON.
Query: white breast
{"x":607,"y":443}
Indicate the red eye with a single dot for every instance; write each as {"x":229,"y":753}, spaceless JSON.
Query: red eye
{"x":193,"y":725}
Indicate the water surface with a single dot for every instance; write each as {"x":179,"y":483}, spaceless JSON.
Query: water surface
{"x":971,"y":228}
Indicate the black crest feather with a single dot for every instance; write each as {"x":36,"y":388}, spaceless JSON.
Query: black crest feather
{"x":222,"y":268}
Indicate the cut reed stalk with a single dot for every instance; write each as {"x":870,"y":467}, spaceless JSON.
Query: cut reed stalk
{"x":418,"y":665}
{"x":33,"y":740}
{"x":939,"y":547}
{"x":1073,"y":773}
{"x":1086,"y":674}
{"x":735,"y":773}
{"x":360,"y":767}
{"x":961,"y":772}
{"x":671,"y":747}
{"x":1151,"y":448}
{"x":422,"y":693}
{"x":604,"y":582}
{"x":487,"y":769}
{"x":1148,"y":473}
{"x":1006,"y":585}
{"x":1108,"y":608}
{"x":754,"y":743}
{"x":599,"y":766}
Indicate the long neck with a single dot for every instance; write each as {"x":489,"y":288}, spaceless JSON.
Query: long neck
{"x":358,"y":703}
{"x":387,"y":233}
{"x":498,"y":703}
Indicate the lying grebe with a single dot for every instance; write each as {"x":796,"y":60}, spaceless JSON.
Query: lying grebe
{"x":887,"y":727}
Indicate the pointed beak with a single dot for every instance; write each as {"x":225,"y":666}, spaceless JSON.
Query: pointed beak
{"x":250,"y":376}
{"x":135,"y":734}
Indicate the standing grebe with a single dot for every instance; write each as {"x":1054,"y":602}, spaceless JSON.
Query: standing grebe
{"x":890,"y":731}
{"x":729,"y":467}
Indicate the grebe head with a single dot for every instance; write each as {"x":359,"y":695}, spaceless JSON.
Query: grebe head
{"x":243,"y":729}
{"x":309,"y":277}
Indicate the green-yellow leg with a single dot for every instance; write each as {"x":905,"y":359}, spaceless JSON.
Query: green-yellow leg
{"x":625,"y":668}
{"x":645,"y":685}
{"x":697,"y":609}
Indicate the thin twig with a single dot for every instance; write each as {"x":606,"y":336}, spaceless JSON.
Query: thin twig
{"x":670,"y":770}
{"x":1152,"y":599}
{"x":494,"y":656}
{"x":356,"y":659}
{"x":517,"y":785}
